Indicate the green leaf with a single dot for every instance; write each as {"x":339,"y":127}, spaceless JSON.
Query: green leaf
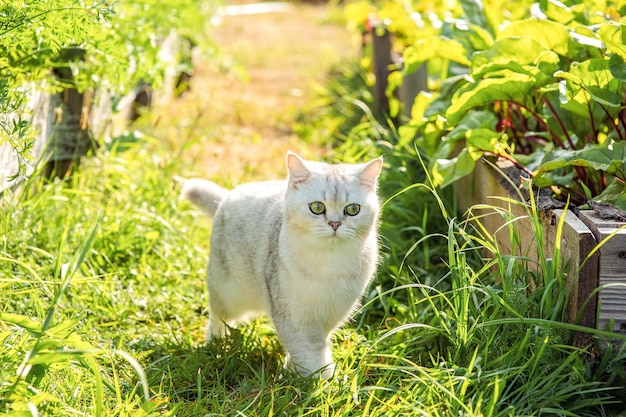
{"x":449,"y":88}
{"x":477,"y":37}
{"x":475,"y":12}
{"x":587,"y":191}
{"x":609,"y":158}
{"x":620,"y":202}
{"x":617,"y":66}
{"x":447,"y":171}
{"x":555,"y":178}
{"x":24,"y":322}
{"x":483,"y":140}
{"x":511,"y":86}
{"x":521,"y":51}
{"x":420,"y":105}
{"x":614,"y":38}
{"x":557,"y":11}
{"x":594,"y":76}
{"x":55,"y":357}
{"x":472,"y":120}
{"x":614,"y":193}
{"x":434,"y":47}
{"x":551,"y":35}
{"x":478,"y":140}
{"x":588,"y":40}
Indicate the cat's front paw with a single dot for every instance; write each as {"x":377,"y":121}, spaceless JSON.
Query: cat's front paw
{"x":316,"y":371}
{"x":216,"y":329}
{"x":328,"y":371}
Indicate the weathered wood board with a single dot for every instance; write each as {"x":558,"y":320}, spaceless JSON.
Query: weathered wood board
{"x":486,"y":191}
{"x":611,"y":271}
{"x":577,"y":243}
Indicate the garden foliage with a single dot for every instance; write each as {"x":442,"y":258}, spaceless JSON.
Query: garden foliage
{"x":540,"y":84}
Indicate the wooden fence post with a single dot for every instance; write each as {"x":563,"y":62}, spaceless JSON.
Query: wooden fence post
{"x":383,"y":59}
{"x":412,"y":85}
{"x":70,"y":138}
{"x":381,"y":49}
{"x":68,"y":123}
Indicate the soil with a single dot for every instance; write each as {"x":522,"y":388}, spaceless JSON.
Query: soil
{"x":237,"y":118}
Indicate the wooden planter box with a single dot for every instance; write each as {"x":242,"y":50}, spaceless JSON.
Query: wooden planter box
{"x":587,"y":269}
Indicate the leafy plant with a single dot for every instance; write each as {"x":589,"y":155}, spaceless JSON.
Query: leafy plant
{"x":555,"y":99}
{"x":545,"y":91}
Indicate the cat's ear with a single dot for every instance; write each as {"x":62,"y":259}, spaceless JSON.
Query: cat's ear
{"x":370,"y":172}
{"x":298,"y":172}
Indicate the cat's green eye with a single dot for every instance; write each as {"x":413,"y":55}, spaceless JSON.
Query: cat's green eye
{"x":352,"y":209}
{"x":317,"y":207}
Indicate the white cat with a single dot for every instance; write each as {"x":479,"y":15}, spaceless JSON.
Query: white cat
{"x":302,"y":251}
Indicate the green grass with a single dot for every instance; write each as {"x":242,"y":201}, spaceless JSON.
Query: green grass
{"x":104,"y":309}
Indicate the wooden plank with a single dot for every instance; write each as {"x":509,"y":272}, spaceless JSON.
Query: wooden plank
{"x":612,"y":270}
{"x":577,"y":242}
{"x":485,"y":188}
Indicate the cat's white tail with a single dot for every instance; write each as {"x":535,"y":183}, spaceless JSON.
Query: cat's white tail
{"x":203,"y":194}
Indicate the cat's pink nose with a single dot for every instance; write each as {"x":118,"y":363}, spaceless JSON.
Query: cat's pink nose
{"x":334,"y":225}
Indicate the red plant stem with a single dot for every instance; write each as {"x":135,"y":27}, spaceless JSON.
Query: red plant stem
{"x":580,"y":171}
{"x":543,"y":123}
{"x":522,"y":121}
{"x":593,"y":125}
{"x":580,"y":197}
{"x":513,"y":161}
{"x":559,"y":121}
{"x":521,"y":118}
{"x":615,"y":124}
{"x":527,"y":171}
{"x":539,"y":140}
{"x":621,"y":119}
{"x":602,"y":179}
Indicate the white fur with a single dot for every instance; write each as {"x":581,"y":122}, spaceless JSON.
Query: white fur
{"x":271,"y":254}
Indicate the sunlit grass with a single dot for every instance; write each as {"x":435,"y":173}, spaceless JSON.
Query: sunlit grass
{"x":104,"y":306}
{"x":87,"y":268}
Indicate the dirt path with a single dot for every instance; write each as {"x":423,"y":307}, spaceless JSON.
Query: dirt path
{"x":240,"y":113}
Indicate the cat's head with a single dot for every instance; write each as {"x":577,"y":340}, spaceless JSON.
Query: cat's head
{"x":332,"y":201}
